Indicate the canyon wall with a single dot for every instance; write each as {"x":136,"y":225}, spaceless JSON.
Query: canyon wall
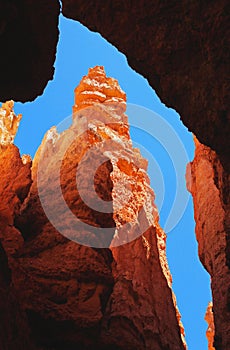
{"x":181,"y":48}
{"x":114,"y":292}
{"x":15,"y":182}
{"x":209,"y":184}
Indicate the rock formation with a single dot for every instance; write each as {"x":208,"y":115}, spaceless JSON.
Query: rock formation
{"x":15,"y":182}
{"x":211,"y":328}
{"x":73,"y":296}
{"x":181,"y":48}
{"x":9,"y":123}
{"x":209,"y":184}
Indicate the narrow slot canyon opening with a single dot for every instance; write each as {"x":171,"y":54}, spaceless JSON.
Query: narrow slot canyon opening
{"x":78,"y":50}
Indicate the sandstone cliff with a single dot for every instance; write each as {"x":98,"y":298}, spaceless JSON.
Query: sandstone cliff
{"x":15,"y":182}
{"x":209,"y":185}
{"x":73,"y":296}
{"x":181,"y":48}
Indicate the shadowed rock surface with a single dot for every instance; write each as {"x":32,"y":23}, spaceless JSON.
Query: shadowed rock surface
{"x":28,"y":40}
{"x":209,"y":185}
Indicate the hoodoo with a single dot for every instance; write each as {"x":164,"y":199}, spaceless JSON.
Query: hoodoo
{"x":106,"y":284}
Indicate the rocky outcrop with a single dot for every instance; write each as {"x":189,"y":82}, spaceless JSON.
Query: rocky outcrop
{"x":14,"y":186}
{"x":77,"y":296}
{"x":179,"y":47}
{"x":209,"y":185}
{"x":211,"y":328}
{"x":9,"y":123}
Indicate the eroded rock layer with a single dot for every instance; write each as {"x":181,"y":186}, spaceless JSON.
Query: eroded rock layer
{"x":14,"y":186}
{"x":9,"y":123}
{"x":209,"y":185}
{"x":181,"y":48}
{"x":73,"y":296}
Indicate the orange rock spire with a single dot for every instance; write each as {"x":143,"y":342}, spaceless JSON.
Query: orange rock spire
{"x":122,"y":291}
{"x":97,"y":88}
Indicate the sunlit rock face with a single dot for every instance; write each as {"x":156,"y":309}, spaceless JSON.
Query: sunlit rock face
{"x":211,"y":328}
{"x":87,"y":297}
{"x":209,"y":185}
{"x":9,"y":123}
{"x":184,"y":60}
{"x":97,"y":88}
{"x":15,"y":181}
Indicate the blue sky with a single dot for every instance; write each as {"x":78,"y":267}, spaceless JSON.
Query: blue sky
{"x":78,"y":50}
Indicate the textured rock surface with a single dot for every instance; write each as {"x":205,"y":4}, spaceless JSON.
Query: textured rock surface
{"x":14,"y":186}
{"x":9,"y":123}
{"x":14,"y":330}
{"x":26,"y":59}
{"x":70,"y":295}
{"x":180,"y":48}
{"x":211,"y":328}
{"x":95,"y":87}
{"x":209,"y":185}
